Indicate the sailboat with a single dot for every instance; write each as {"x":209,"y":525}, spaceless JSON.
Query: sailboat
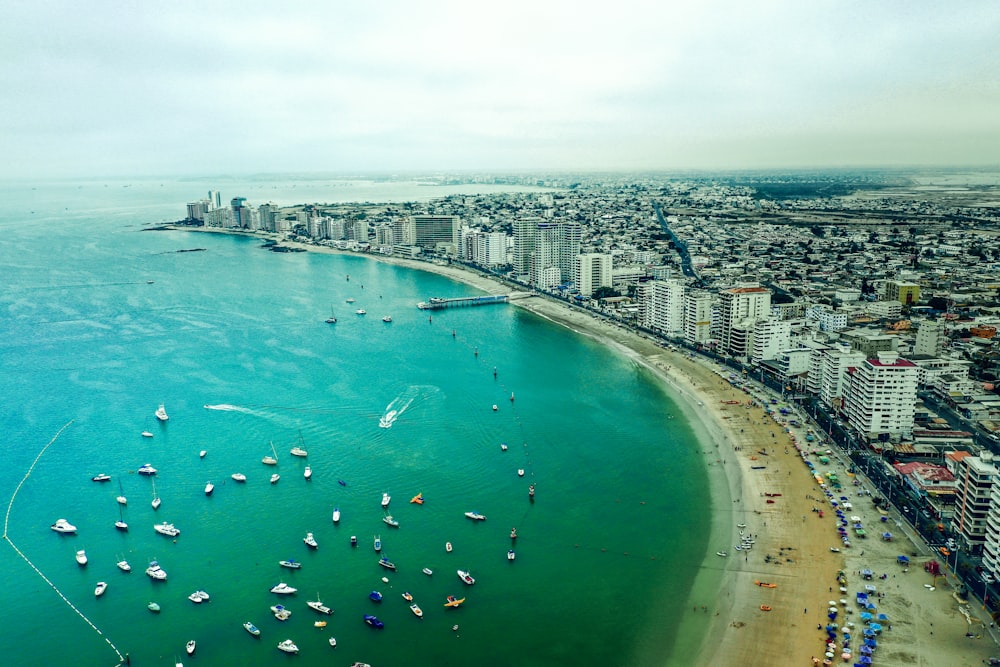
{"x":333,"y":318}
{"x":161,"y":413}
{"x":271,"y":460}
{"x":156,"y":498}
{"x":122,"y":500}
{"x":120,"y":523}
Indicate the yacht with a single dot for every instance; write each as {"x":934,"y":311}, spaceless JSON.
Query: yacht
{"x":81,"y":557}
{"x":101,"y":587}
{"x":239,"y":477}
{"x":466,"y":577}
{"x":146,"y":469}
{"x":161,"y":413}
{"x":308,"y":472}
{"x":274,"y":478}
{"x":251,"y":628}
{"x":290,"y":564}
{"x":360,"y":311}
{"x":387,"y":318}
{"x":386,"y":563}
{"x":271,"y":459}
{"x":476,"y":516}
{"x":510,"y":554}
{"x":298,"y":451}
{"x":103,"y":477}
{"x":156,"y":572}
{"x":280,"y":612}
{"x":122,"y":500}
{"x":317,"y":605}
{"x":336,"y":514}
{"x":63,"y":526}
{"x":209,"y":487}
{"x":167,"y":529}
{"x":385,"y":499}
{"x":124,"y":566}
{"x":283,"y":589}
{"x":288,"y":646}
{"x":191,"y":646}
{"x":390,"y":521}
{"x":310,"y":541}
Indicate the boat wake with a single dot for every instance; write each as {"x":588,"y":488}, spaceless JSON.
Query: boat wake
{"x":398,"y":406}
{"x":228,"y":408}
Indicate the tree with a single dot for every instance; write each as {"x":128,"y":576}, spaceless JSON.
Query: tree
{"x":604,"y":293}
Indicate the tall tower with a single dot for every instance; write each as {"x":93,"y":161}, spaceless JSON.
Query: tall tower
{"x":740,"y":308}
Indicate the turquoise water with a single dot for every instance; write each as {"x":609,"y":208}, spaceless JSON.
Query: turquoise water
{"x":606,"y":554}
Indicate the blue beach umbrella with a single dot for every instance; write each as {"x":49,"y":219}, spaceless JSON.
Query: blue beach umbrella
{"x":865,"y":616}
{"x":883,"y":617}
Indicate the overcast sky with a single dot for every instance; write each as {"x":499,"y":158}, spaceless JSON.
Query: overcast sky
{"x":203,"y":88}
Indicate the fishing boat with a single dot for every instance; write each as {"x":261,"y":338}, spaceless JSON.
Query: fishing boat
{"x":310,"y":541}
{"x":167,"y":529}
{"x":209,"y":487}
{"x":290,"y":564}
{"x":417,"y":611}
{"x":146,"y":469}
{"x":100,"y":588}
{"x":161,"y":413}
{"x":318,"y":606}
{"x":476,"y":516}
{"x":280,"y":612}
{"x":81,"y":557}
{"x":274,"y":478}
{"x":390,"y":521}
{"x":386,"y":563}
{"x":156,"y":499}
{"x":452,"y":601}
{"x":377,"y":544}
{"x":251,"y":628}
{"x":271,"y":460}
{"x":103,"y":477}
{"x":466,"y":577}
{"x":124,"y":566}
{"x":336,"y":514}
{"x":308,"y":472}
{"x":418,"y":499}
{"x":190,"y":647}
{"x":154,"y":571}
{"x":283,"y":589}
{"x":510,"y":554}
{"x":238,"y":477}
{"x":122,"y":500}
{"x":153,"y":607}
{"x":63,"y":526}
{"x":288,"y":646}
{"x":375,"y":596}
{"x":385,"y":499}
{"x":374,"y":622}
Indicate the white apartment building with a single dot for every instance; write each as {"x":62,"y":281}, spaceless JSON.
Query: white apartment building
{"x":661,"y":306}
{"x":698,"y":317}
{"x":594,"y":271}
{"x":929,"y":340}
{"x":880,"y":398}
{"x":431,"y":232}
{"x":975,"y":477}
{"x":826,"y":318}
{"x":739,"y":310}
{"x":991,"y":537}
{"x":770,"y":337}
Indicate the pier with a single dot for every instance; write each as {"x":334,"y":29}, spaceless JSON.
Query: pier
{"x":435,"y":303}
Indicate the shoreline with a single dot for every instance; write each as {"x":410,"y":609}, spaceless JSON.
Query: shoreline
{"x":754,"y":466}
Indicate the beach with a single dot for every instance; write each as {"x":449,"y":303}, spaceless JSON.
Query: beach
{"x":763,"y":490}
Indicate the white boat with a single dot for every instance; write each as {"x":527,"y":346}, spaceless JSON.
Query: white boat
{"x":385,"y":499}
{"x":290,"y":564}
{"x":167,"y":529}
{"x":156,"y":499}
{"x":336,"y":514}
{"x":202,"y":454}
{"x":161,"y":413}
{"x":447,"y":547}
{"x":333,"y":317}
{"x":280,"y":612}
{"x":122,"y":500}
{"x":308,"y":472}
{"x":120,"y":523}
{"x":520,"y":472}
{"x":428,"y":571}
{"x":310,"y":541}
{"x":124,"y":566}
{"x":475,"y":516}
{"x":317,"y":605}
{"x":377,"y":544}
{"x":81,"y":557}
{"x":386,"y":563}
{"x":417,"y":611}
{"x":190,"y":647}
{"x":274,"y":478}
{"x":466,"y":577}
{"x":390,"y":521}
{"x":63,"y":526}
{"x":288,"y":646}
{"x":333,"y":641}
{"x":103,"y":477}
{"x":723,"y":554}
{"x":251,"y":628}
{"x":360,"y":311}
{"x":283,"y":589}
{"x":154,"y":571}
{"x":271,"y":460}
{"x":100,"y":588}
{"x":510,"y":554}
{"x":503,"y":446}
{"x":387,"y":318}
{"x":495,"y":408}
{"x":196,"y":598}
{"x":209,"y":487}
{"x":153,"y":607}
{"x":239,"y":477}
{"x":202,"y":594}
{"x":146,"y":469}
{"x":298,"y":451}
{"x":350,"y":299}
{"x":147,"y":434}
{"x":386,"y":420}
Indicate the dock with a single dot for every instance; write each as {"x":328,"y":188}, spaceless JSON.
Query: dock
{"x":436,"y":303}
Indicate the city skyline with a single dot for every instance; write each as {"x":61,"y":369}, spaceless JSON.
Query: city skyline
{"x":230,"y":88}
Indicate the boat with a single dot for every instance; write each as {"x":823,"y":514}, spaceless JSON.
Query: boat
{"x":124,"y":566}
{"x":377,"y":544}
{"x":167,"y":529}
{"x":511,"y":397}
{"x":510,"y":554}
{"x":161,"y":413}
{"x":122,"y":500}
{"x":531,"y":490}
{"x":288,"y":646}
{"x":272,"y":459}
{"x":202,"y":454}
{"x":103,"y":477}
{"x":386,"y":563}
{"x":721,"y":553}
{"x":290,"y":564}
{"x":520,"y":472}
{"x":308,"y":472}
{"x":239,"y":477}
{"x":190,"y":647}
{"x":63,"y":526}
{"x":417,"y":611}
{"x":764,"y":584}
{"x":198,"y":597}
{"x":310,"y":541}
{"x":318,"y":606}
{"x":418,"y":499}
{"x":503,"y":446}
{"x":336,"y":514}
{"x":341,"y":482}
{"x":156,"y":499}
{"x":319,"y":624}
{"x":495,"y":408}
{"x":333,"y":642}
{"x":428,"y":571}
{"x":280,"y":612}
{"x":476,"y":516}
{"x":100,"y":588}
{"x":408,"y":596}
{"x":146,"y":469}
{"x":360,"y":311}
{"x":387,"y":319}
{"x":765,"y":607}
{"x":375,"y":596}
{"x":283,"y":589}
{"x":274,"y":478}
{"x":513,"y":533}
{"x":120,"y":523}
{"x":153,"y":607}
{"x":361,"y":664}
{"x":447,"y":547}
{"x":374,"y":622}
{"x":81,"y":557}
{"x":390,"y":521}
{"x":251,"y":628}
{"x":154,"y":571}
{"x":209,"y":487}
{"x":466,"y":577}
{"x":452,"y":601}
{"x":350,"y":299}
{"x":385,"y":499}
{"x":333,"y":317}
{"x":298,"y":451}
{"x":146,"y":434}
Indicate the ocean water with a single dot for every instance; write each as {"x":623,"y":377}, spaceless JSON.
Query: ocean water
{"x":102,"y":321}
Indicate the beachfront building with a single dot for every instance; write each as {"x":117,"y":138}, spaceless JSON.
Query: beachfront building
{"x":661,"y":306}
{"x":739,"y":309}
{"x":880,"y":398}
{"x":487,"y":249}
{"x":556,"y":247}
{"x":525,"y":230}
{"x":594,"y":271}
{"x":770,"y":337}
{"x":975,"y":477}
{"x":436,"y":233}
{"x":991,"y":539}
{"x":834,"y":363}
{"x":698,"y":308}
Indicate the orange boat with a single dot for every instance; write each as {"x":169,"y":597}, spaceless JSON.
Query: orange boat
{"x":764,"y":584}
{"x":453,"y":601}
{"x":418,"y":499}
{"x":765,"y":607}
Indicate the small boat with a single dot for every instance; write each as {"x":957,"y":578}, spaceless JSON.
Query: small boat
{"x":350,"y":299}
{"x":274,"y":478}
{"x":377,"y":544}
{"x":453,"y":601}
{"x":154,"y":571}
{"x":390,"y":521}
{"x":428,"y":571}
{"x":520,"y":472}
{"x":298,"y":451}
{"x":360,"y":311}
{"x":361,"y":664}
{"x":161,"y":413}
{"x":190,"y":647}
{"x":417,"y":611}
{"x":156,"y":499}
{"x":354,"y":540}
{"x":198,"y":597}
{"x":332,"y":319}
{"x":124,"y":566}
{"x":418,"y":499}
{"x":63,"y":526}
{"x":272,"y":459}
{"x":466,"y":577}
{"x":251,"y":628}
{"x":503,"y":446}
{"x":495,"y":408}
{"x":202,"y":454}
{"x":333,"y":642}
{"x":167,"y":529}
{"x":310,"y":541}
{"x":385,"y":499}
{"x":319,"y":624}
{"x":408,"y":596}
{"x":336,"y":514}
{"x":101,"y":478}
{"x":280,"y":612}
{"x":146,"y":469}
{"x":341,"y":482}
{"x":531,"y":490}
{"x":447,"y":547}
{"x":765,"y":607}
{"x":764,"y":584}
{"x":146,"y":434}
{"x":510,"y":554}
{"x":317,"y":605}
{"x":100,"y":588}
{"x":375,"y":596}
{"x":387,"y":319}
{"x":239,"y":477}
{"x":283,"y":589}
{"x":385,"y":580}
{"x":290,"y":564}
{"x":153,"y":607}
{"x":122,"y":500}
{"x":81,"y":557}
{"x":209,"y":487}
{"x":386,"y":563}
{"x":721,"y":553}
{"x":476,"y":516}
{"x":288,"y":646}
{"x":374,"y":622}
{"x":308,"y":472}
{"x":120,"y":523}
{"x":513,"y":533}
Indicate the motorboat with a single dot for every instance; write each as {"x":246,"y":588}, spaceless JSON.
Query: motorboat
{"x":190,"y":647}
{"x":298,"y":451}
{"x":167,"y":529}
{"x":202,"y":454}
{"x":290,"y":564}
{"x":161,"y":413}
{"x":283,"y":589}
{"x":476,"y":516}
{"x":360,"y":311}
{"x":251,"y":628}
{"x":428,"y":571}
{"x":452,"y":601}
{"x":385,"y":499}
{"x":520,"y":472}
{"x":336,"y":514}
{"x":375,"y":596}
{"x":124,"y":566}
{"x":510,"y":554}
{"x":417,"y":611}
{"x":377,"y":544}
{"x":319,"y":624}
{"x":387,"y":318}
{"x":390,"y":521}
{"x":63,"y":526}
{"x":721,"y":553}
{"x":198,"y":597}
{"x":100,"y":588}
{"x":81,"y":557}
{"x":495,"y":408}
{"x":146,"y":469}
{"x":274,"y":478}
{"x":101,"y":478}
{"x":361,"y":664}
{"x":203,"y":595}
{"x":318,"y":606}
{"x":417,"y":499}
{"x":374,"y":622}
{"x":310,"y":541}
{"x":408,"y":596}
{"x":447,"y":547}
{"x":308,"y":472}
{"x":513,"y":533}
{"x":466,"y":577}
{"x":350,"y":299}
{"x":386,"y":563}
{"x":153,"y":607}
{"x":288,"y":646}
{"x":146,"y":434}
{"x":239,"y":477}
{"x":280,"y":612}
{"x":209,"y":487}
{"x":354,"y":540}
{"x":503,"y":446}
{"x":154,"y":571}
{"x":333,"y":642}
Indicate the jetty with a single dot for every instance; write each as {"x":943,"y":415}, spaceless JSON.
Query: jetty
{"x":436,"y":303}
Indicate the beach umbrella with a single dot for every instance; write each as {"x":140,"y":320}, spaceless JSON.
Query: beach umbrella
{"x":883,"y":617}
{"x":876,"y":627}
{"x":866,"y":660}
{"x":832,"y":602}
{"x":866,"y":650}
{"x":871,"y":643}
{"x":865,"y":616}
{"x":902,"y":559}
{"x":872,"y":606}
{"x":843,"y":601}
{"x":832,"y":616}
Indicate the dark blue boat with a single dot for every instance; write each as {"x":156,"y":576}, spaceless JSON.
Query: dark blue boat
{"x":375,"y":596}
{"x":374,"y":622}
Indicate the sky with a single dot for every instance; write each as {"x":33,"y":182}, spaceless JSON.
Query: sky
{"x":202,"y":88}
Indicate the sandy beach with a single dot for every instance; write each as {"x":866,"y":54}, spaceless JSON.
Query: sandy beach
{"x":772,"y":495}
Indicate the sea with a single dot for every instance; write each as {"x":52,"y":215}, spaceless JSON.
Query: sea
{"x":104,"y":319}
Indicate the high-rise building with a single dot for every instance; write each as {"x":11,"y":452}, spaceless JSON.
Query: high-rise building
{"x":930,"y":339}
{"x":739,"y":309}
{"x":880,"y":398}
{"x":525,"y":233}
{"x":770,"y":337}
{"x":698,"y":308}
{"x":594,"y":271}
{"x":661,"y":306}
{"x":975,"y":476}
{"x":241,"y":215}
{"x":436,"y":233}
